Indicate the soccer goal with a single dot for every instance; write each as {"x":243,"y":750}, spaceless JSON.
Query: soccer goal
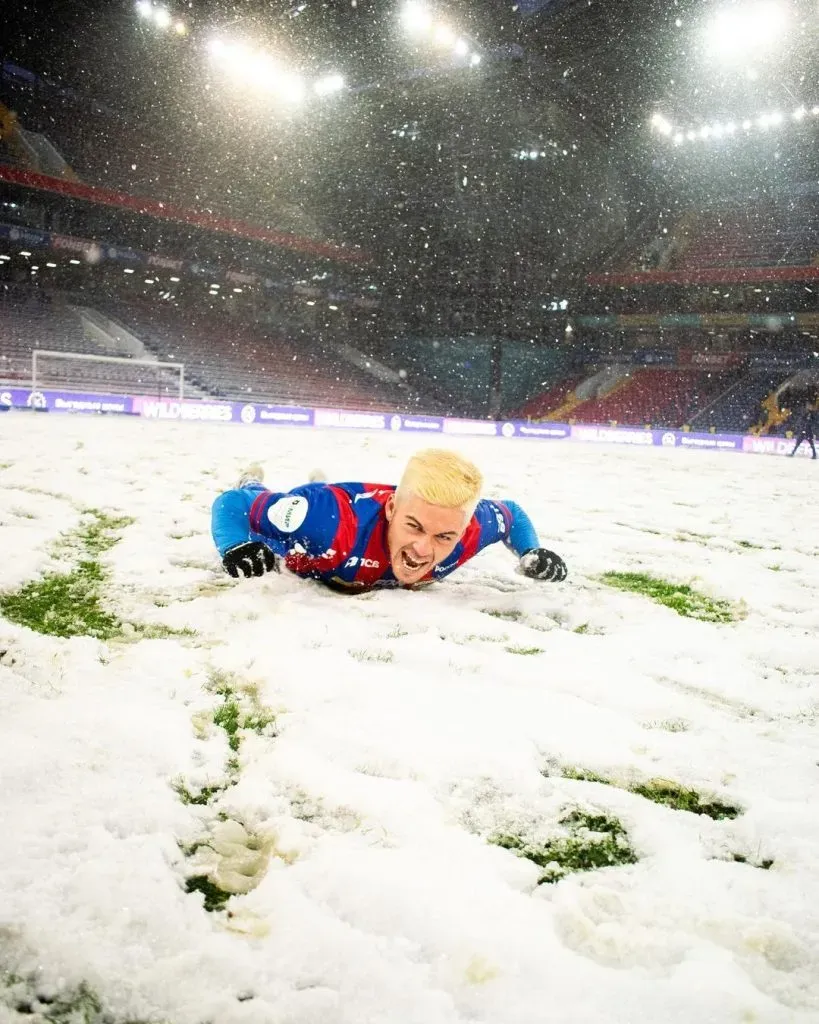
{"x":106,"y":374}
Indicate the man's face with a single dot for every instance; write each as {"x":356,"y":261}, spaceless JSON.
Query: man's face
{"x":420,"y":535}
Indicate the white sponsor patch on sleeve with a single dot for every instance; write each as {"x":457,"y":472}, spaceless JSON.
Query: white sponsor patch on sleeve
{"x":287,"y":514}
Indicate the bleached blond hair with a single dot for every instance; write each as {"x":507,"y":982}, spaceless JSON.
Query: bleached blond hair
{"x":444,"y":478}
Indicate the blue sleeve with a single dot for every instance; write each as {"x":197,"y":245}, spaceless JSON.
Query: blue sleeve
{"x":306,"y":517}
{"x":506,"y":521}
{"x":522,"y":536}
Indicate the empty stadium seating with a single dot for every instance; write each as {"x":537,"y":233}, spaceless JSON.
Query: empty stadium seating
{"x":739,"y":408}
{"x":236,"y":361}
{"x":660,"y":397}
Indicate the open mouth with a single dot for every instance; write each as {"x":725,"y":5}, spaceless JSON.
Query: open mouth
{"x":412,"y":564}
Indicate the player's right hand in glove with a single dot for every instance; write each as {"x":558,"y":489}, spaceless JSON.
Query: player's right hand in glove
{"x":540,"y":564}
{"x":250,"y":559}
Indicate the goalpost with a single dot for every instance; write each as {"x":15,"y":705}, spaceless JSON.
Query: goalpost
{"x":106,"y":374}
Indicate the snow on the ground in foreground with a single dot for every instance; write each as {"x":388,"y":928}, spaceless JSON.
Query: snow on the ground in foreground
{"x":387,"y":777}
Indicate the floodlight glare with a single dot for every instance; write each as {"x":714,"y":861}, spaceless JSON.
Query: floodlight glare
{"x":815,"y":111}
{"x":679,"y":138}
{"x":735,"y":32}
{"x":162,"y":17}
{"x":461,"y":47}
{"x":329,"y":84}
{"x":533,"y":154}
{"x":217,"y":47}
{"x":475,"y":60}
{"x":444,"y":36}
{"x":691,"y":136}
{"x":799,"y":113}
{"x":144,"y":8}
{"x":416,"y":18}
{"x":180,"y":28}
{"x":747,"y":125}
{"x":730,"y":128}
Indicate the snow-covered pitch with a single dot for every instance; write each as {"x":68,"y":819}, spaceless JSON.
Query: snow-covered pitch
{"x":386,"y":750}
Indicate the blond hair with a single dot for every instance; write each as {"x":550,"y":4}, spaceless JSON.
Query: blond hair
{"x":443,"y":478}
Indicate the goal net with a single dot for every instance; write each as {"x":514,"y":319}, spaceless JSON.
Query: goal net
{"x":77,"y":371}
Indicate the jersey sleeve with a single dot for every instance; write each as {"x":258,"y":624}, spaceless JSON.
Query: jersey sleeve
{"x":506,"y":521}
{"x":306,"y":517}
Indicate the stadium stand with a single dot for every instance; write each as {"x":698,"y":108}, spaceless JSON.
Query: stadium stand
{"x":739,"y":408}
{"x":238,"y":361}
{"x":661,"y":397}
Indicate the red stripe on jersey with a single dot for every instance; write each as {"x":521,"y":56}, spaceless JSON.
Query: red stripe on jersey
{"x":471,"y":540}
{"x":376,"y":559}
{"x":256,"y":510}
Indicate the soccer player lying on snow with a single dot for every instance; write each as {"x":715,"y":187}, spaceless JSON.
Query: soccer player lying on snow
{"x":359,"y":536}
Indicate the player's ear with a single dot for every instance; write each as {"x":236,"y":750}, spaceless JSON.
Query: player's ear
{"x":389,"y":507}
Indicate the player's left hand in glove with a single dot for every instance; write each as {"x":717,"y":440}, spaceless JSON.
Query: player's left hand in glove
{"x":250,"y":559}
{"x":540,"y":564}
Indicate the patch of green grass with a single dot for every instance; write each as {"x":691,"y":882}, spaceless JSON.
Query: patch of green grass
{"x":30,"y":999}
{"x":662,"y":791}
{"x":681,"y":598}
{"x":513,"y":649}
{"x":215,"y":898}
{"x":584,"y":775}
{"x":750,"y":544}
{"x":383,"y":657}
{"x":63,"y":604}
{"x":198,"y":798}
{"x":159,"y":631}
{"x":397,"y":633}
{"x":592,"y":841}
{"x":5,"y":465}
{"x":508,"y":615}
{"x":681,"y":798}
{"x":582,"y":629}
{"x":101,"y":532}
{"x":227,"y":718}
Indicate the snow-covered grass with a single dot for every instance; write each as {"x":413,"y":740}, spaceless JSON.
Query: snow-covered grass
{"x":499,"y":801}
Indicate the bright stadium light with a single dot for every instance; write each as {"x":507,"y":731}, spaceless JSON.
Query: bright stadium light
{"x":145,"y":9}
{"x":329,"y":84}
{"x":691,"y":136}
{"x":180,"y":28}
{"x":444,"y":36}
{"x":679,"y":138}
{"x":753,"y":28}
{"x":217,"y":47}
{"x":661,"y":124}
{"x":461,"y":47}
{"x":162,"y":17}
{"x":416,"y":18}
{"x":475,"y":60}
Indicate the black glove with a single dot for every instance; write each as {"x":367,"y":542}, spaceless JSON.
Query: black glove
{"x":540,"y":564}
{"x":250,"y":559}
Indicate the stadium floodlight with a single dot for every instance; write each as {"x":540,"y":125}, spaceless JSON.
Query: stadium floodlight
{"x":128,"y":270}
{"x":52,"y":265}
{"x":705,"y":131}
{"x":730,"y":128}
{"x":444,"y":36}
{"x":217,"y":47}
{"x":533,"y":154}
{"x":162,"y":17}
{"x":175,"y":280}
{"x":461,"y":47}
{"x":662,"y":125}
{"x":145,"y":9}
{"x":747,"y":125}
{"x":691,"y":136}
{"x":717,"y":131}
{"x":180,"y":28}
{"x":475,"y":60}
{"x":24,"y":252}
{"x":740,"y":30}
{"x":679,"y":138}
{"x":416,"y":18}
{"x":329,"y":84}
{"x":799,"y":113}
{"x":75,"y":262}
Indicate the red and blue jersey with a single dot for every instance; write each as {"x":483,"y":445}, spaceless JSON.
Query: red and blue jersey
{"x":337,"y":533}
